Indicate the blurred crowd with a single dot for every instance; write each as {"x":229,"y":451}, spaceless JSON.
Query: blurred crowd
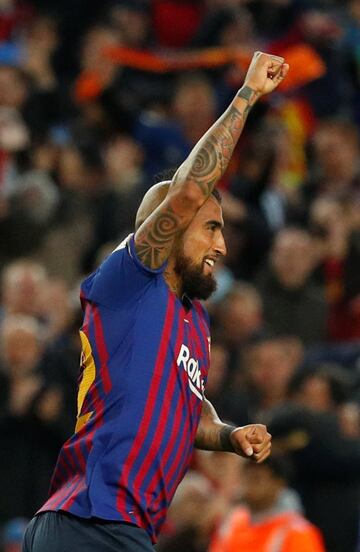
{"x":82,"y":137}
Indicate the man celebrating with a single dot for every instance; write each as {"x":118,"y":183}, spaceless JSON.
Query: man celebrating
{"x":145,"y":356}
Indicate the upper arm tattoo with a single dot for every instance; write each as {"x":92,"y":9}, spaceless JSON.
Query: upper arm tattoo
{"x":154,"y":242}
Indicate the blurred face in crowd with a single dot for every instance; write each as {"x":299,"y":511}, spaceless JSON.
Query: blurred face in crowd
{"x":223,"y":470}
{"x":315,"y":394}
{"x":123,"y":159}
{"x":355,"y":9}
{"x":96,"y":40}
{"x":337,"y":150}
{"x":270,"y":365}
{"x":14,"y":134}
{"x":43,"y":34}
{"x":292,"y":257}
{"x":327,"y":212}
{"x":194,"y":106}
{"x":241,"y":314}
{"x":20,"y":345}
{"x":7,"y":4}
{"x":78,"y":173}
{"x":332,"y":220}
{"x":13,"y":89}
{"x":238,"y":31}
{"x":132,"y":23}
{"x":195,"y":506}
{"x":22,"y":285}
{"x":71,"y":170}
{"x":191,"y":498}
{"x":261,"y":487}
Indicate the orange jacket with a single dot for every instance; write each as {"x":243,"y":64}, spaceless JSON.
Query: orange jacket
{"x":286,"y":532}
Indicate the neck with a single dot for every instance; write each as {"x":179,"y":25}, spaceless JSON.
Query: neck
{"x":172,"y":279}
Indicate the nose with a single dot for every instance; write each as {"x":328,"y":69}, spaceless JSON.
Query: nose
{"x":220,"y":245}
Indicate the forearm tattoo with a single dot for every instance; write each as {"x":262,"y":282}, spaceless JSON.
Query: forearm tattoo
{"x":248,"y":94}
{"x":210,"y":158}
{"x":212,"y":434}
{"x":225,"y":440}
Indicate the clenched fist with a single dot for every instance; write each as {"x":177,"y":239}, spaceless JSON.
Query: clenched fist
{"x":252,"y":441}
{"x":265,"y":73}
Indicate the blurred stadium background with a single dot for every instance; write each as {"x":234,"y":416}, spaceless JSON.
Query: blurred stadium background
{"x":96,"y":98}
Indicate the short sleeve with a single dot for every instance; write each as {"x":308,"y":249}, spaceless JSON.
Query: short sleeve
{"x":120,"y":279}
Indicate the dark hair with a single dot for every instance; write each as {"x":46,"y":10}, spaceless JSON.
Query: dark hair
{"x":279,"y":465}
{"x":338,"y":380}
{"x":215,"y":192}
{"x":263,"y":335}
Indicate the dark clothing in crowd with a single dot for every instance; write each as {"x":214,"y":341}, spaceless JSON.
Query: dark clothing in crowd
{"x":327,"y":471}
{"x":301,"y":312}
{"x":29,"y":449}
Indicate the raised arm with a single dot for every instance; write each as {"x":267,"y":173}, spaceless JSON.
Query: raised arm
{"x":250,"y":441}
{"x":207,"y":162}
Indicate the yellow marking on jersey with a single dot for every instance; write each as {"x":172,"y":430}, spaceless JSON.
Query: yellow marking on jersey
{"x":88,"y":378}
{"x":81,"y":421}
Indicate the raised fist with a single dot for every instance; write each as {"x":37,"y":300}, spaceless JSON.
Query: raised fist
{"x":265,"y":72}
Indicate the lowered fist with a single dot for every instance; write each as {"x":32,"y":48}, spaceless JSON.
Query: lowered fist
{"x":251,"y":441}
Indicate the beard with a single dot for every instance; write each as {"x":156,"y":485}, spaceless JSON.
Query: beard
{"x":195,"y":284}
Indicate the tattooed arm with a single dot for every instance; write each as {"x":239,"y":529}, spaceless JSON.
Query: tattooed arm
{"x":207,"y":162}
{"x":249,"y":441}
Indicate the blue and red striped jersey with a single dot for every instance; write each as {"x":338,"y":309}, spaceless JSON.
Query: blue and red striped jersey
{"x":144,"y":363}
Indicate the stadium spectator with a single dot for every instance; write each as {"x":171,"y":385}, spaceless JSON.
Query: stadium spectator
{"x":21,"y":286}
{"x":237,"y":318}
{"x":193,"y":515}
{"x":293,"y":305}
{"x":336,"y":227}
{"x":224,"y":473}
{"x":334,"y":169}
{"x":239,"y":315}
{"x":31,"y":424}
{"x":268,"y":364}
{"x":253,"y":208}
{"x":320,"y":432}
{"x":167,"y":135}
{"x":270,"y":517}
